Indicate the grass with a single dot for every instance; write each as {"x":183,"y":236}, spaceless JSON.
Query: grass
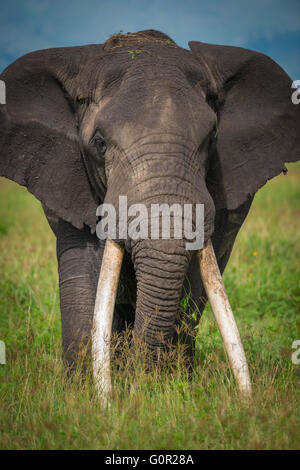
{"x":42,"y":409}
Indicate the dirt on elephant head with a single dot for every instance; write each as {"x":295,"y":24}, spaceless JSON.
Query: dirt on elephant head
{"x":126,"y":39}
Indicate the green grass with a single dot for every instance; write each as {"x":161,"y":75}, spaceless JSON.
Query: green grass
{"x":41,"y":409}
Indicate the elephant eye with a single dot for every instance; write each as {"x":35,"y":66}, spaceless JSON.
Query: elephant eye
{"x":99,"y":143}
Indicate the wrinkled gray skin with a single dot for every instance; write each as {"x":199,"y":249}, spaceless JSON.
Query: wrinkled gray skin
{"x":157,"y":112}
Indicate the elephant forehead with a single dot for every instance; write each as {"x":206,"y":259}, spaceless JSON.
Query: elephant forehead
{"x":136,"y":111}
{"x":144,"y":95}
{"x":171,"y":67}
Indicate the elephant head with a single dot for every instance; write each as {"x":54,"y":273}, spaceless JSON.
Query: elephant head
{"x":142,"y":117}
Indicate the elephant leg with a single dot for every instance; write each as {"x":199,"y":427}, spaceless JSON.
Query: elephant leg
{"x":79,"y":257}
{"x":227,"y":226}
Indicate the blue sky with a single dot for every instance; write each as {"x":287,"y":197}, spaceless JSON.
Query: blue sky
{"x":268,"y":26}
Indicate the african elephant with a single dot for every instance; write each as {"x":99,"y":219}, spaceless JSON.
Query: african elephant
{"x":140,"y":116}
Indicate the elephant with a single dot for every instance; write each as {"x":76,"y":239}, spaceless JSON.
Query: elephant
{"x":141,"y":117}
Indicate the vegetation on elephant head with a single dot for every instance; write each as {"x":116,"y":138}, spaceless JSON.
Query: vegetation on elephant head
{"x":121,"y":39}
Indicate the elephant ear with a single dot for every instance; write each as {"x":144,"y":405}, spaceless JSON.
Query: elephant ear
{"x":39,"y":146}
{"x":257,"y":128}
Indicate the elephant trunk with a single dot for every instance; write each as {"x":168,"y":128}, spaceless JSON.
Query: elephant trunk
{"x":160,"y":267}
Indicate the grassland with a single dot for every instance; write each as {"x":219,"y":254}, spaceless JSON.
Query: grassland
{"x":40,"y":408}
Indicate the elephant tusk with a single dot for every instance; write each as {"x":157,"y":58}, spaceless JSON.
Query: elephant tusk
{"x":103,"y":316}
{"x":217,"y":296}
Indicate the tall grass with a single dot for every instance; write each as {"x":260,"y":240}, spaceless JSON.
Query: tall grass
{"x":169,"y":408}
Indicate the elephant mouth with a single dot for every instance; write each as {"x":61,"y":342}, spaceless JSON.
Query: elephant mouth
{"x":104,"y":309}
